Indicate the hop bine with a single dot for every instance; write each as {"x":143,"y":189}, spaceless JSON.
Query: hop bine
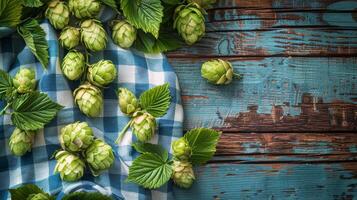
{"x":143,"y":125}
{"x":21,"y":142}
{"x":218,"y":72}
{"x":69,"y":37}
{"x":128,"y":103}
{"x":93,"y":35}
{"x":84,"y":8}
{"x":25,"y":80}
{"x":58,"y":14}
{"x":181,"y":149}
{"x":102,"y":73}
{"x":73,"y":65}
{"x":99,"y":156}
{"x":89,"y":99}
{"x":70,"y":166}
{"x":183,"y":174}
{"x":123,"y":34}
{"x":76,"y":136}
{"x":189,"y":22}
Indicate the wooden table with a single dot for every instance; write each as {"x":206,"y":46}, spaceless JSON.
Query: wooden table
{"x":290,"y":125}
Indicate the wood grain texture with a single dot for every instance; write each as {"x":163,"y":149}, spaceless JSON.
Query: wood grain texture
{"x":276,"y":94}
{"x":273,"y":181}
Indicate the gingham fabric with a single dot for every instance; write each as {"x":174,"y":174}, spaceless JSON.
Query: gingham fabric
{"x":137,"y":71}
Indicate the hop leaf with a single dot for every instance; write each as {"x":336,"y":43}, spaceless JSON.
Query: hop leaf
{"x":86,"y":196}
{"x":156,"y":100}
{"x":10,"y":13}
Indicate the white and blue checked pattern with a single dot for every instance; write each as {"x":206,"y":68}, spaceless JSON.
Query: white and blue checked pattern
{"x":137,"y":71}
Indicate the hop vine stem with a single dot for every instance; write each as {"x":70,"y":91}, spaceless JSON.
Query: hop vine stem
{"x":3,"y":111}
{"x":122,"y":132}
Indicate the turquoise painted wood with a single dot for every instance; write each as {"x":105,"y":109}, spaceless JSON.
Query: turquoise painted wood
{"x":289,"y":126}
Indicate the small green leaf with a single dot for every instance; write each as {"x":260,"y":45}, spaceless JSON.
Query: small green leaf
{"x":144,"y":14}
{"x":24,"y":191}
{"x":147,"y":43}
{"x":10,"y":13}
{"x":35,"y":39}
{"x":6,"y":86}
{"x":142,"y":147}
{"x":86,"y":196}
{"x":150,"y":170}
{"x":203,"y":142}
{"x":156,"y":100}
{"x":110,"y":3}
{"x":32,"y":111}
{"x":32,"y":3}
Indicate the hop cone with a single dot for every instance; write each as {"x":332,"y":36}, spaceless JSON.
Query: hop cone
{"x":143,"y":126}
{"x":21,"y":142}
{"x":93,"y":35}
{"x":127,"y":101}
{"x":203,"y":3}
{"x":69,"y":37}
{"x":181,"y":149}
{"x":25,"y":80}
{"x":84,"y":8}
{"x":102,"y":73}
{"x":218,"y":71}
{"x":76,"y":136}
{"x":70,"y":166}
{"x":89,"y":100}
{"x":99,"y":156}
{"x":189,"y":22}
{"x":183,"y":174}
{"x":73,"y":65}
{"x":58,"y":14}
{"x":123,"y":34}
{"x":39,"y":196}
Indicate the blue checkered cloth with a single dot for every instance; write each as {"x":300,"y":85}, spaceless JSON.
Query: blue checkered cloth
{"x":137,"y":72}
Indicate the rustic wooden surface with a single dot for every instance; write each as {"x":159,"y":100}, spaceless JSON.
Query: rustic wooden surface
{"x":289,"y":127}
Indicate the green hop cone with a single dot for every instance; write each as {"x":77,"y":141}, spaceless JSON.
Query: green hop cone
{"x":181,"y":149}
{"x":58,"y":14}
{"x":70,"y":166}
{"x":123,"y":34}
{"x":69,"y":37}
{"x":21,"y":142}
{"x":144,"y":126}
{"x":89,"y":99}
{"x":25,"y":80}
{"x":128,"y":103}
{"x":84,"y":8}
{"x":203,"y":3}
{"x":218,"y":72}
{"x":73,"y":65}
{"x":39,"y":196}
{"x":102,"y":73}
{"x":76,"y":136}
{"x":183,"y":174}
{"x":189,"y":22}
{"x":99,"y":156}
{"x":93,"y":35}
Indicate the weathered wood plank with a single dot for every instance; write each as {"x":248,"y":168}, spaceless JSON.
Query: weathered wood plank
{"x":273,"y":181}
{"x":276,"y":94}
{"x":285,"y":41}
{"x":303,"y":144}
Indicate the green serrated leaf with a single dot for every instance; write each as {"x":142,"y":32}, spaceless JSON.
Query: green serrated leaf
{"x":203,"y":142}
{"x":110,"y":3}
{"x":32,"y":3}
{"x":10,"y":13}
{"x":35,"y":39}
{"x":142,"y":147}
{"x":144,"y":14}
{"x":86,"y":196}
{"x":172,"y":2}
{"x":156,"y":100}
{"x":6,"y":86}
{"x":22,"y":192}
{"x":150,"y":170}
{"x":32,"y":111}
{"x":147,"y":43}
